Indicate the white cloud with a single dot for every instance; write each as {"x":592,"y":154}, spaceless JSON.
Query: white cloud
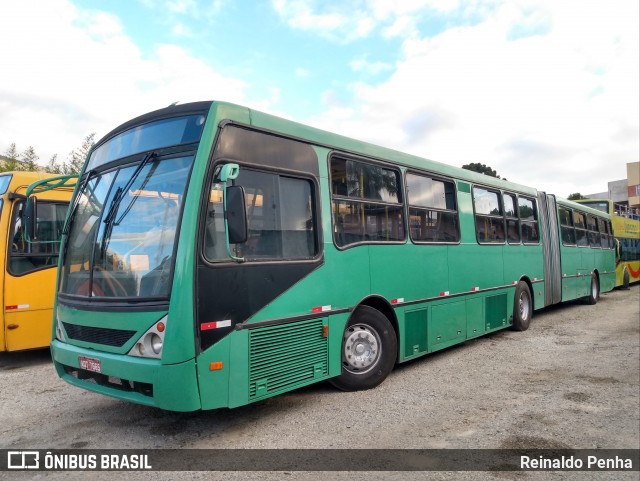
{"x":556,"y":109}
{"x":181,"y":30}
{"x":70,"y":72}
{"x":372,"y":68}
{"x":342,"y":22}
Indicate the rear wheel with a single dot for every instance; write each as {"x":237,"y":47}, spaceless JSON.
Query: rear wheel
{"x":625,"y":279}
{"x":594,"y":291}
{"x":522,"y":307}
{"x":369,"y":350}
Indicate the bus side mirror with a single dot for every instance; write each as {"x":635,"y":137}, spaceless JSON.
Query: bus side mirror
{"x":30,"y":218}
{"x":236,"y":214}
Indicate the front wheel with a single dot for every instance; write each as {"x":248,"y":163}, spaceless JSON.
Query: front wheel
{"x":594,"y":291}
{"x":369,"y":350}
{"x":522,"y":307}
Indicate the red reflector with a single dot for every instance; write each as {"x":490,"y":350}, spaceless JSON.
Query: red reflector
{"x":317,"y":309}
{"x":10,"y":308}
{"x":445,"y":293}
{"x":206,"y":326}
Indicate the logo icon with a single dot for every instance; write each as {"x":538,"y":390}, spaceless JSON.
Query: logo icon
{"x":23,"y":460}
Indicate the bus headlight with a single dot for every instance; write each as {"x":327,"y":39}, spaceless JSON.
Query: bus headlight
{"x":156,"y":343}
{"x":150,"y":343}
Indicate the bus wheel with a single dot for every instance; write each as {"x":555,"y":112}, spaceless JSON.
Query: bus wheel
{"x":369,"y":350}
{"x":594,"y":292}
{"x":625,"y":279}
{"x":522,"y":307}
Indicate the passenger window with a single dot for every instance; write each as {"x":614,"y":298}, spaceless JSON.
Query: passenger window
{"x":528,"y":220}
{"x":280,"y":214}
{"x":566,"y":227}
{"x":433,"y":216}
{"x":511,"y":214}
{"x":489,"y":219}
{"x":26,"y":256}
{"x":580,"y":223}
{"x":366,"y":203}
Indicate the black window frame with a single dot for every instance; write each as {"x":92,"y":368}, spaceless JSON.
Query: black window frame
{"x":365,"y":201}
{"x":260,"y":168}
{"x":17,"y":206}
{"x":583,"y":230}
{"x":525,"y":221}
{"x":515,"y":218}
{"x":593,"y":232}
{"x":568,"y":227}
{"x":489,"y":217}
{"x":455,"y":211}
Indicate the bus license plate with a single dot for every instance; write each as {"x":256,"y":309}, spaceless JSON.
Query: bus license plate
{"x":90,"y":364}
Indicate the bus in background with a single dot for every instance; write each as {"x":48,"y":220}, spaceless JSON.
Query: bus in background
{"x":28,"y":279}
{"x":217,"y":256}
{"x":626,"y":230}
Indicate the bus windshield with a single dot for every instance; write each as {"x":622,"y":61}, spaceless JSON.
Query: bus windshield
{"x":124,"y":230}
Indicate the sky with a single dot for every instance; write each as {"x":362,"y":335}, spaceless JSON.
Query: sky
{"x":546,"y":92}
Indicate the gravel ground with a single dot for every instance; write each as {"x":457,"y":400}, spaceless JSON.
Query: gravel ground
{"x":571,"y":381}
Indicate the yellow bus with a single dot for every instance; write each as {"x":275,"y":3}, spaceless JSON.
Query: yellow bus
{"x":28,"y":278}
{"x":626,"y":230}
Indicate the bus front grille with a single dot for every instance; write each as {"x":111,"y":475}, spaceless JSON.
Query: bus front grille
{"x":98,"y":335}
{"x":285,"y":357}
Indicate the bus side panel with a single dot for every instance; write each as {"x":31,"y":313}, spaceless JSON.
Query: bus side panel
{"x":28,"y":309}
{"x":472,"y":266}
{"x":524,"y":261}
{"x":409,"y":271}
{"x":213,"y":377}
{"x":605,"y":260}
{"x":571,"y":261}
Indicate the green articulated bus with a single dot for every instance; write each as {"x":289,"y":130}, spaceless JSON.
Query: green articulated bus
{"x":214,"y":256}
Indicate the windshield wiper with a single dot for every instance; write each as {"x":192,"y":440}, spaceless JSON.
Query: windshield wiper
{"x":117,"y":200}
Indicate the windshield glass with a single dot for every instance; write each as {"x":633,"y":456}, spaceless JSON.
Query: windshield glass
{"x":123,"y":234}
{"x":4,"y":183}
{"x":154,"y":135}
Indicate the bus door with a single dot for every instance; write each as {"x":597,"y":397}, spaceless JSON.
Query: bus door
{"x":30,"y":277}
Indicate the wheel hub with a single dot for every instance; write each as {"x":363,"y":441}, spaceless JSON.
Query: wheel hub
{"x":361,"y":348}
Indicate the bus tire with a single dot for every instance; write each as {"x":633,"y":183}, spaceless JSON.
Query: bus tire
{"x":522,"y":307}
{"x":594,"y":290}
{"x":625,"y":279}
{"x":369,"y":350}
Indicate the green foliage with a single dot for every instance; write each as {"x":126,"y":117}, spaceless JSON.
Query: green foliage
{"x":482,"y":169}
{"x":576,"y":196}
{"x":28,"y":160}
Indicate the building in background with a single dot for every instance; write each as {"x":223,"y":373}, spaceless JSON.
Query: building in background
{"x":624,"y":192}
{"x":633,"y":184}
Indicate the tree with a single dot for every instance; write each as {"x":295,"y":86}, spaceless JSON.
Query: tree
{"x":11,"y":161}
{"x":29,"y":160}
{"x":77,"y":156}
{"x":54,"y":166}
{"x":482,"y":169}
{"x":576,"y":196}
